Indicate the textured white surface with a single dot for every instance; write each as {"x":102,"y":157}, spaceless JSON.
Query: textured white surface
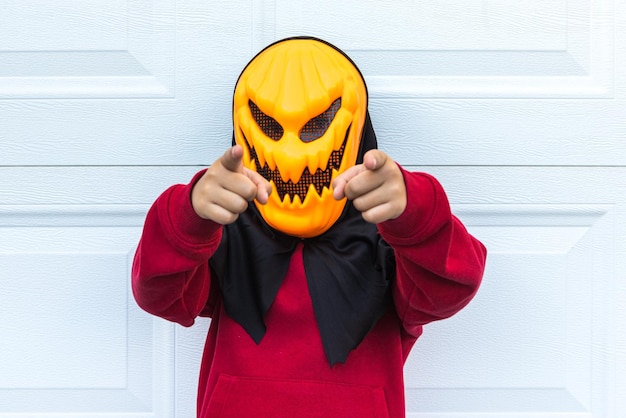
{"x":519,"y":108}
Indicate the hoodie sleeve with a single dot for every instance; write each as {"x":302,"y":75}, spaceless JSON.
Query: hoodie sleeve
{"x":170,"y":275}
{"x":439,"y":264}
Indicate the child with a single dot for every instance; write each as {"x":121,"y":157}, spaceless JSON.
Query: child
{"x":318,"y":258}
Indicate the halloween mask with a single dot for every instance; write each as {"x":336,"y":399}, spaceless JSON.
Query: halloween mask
{"x":299,"y":108}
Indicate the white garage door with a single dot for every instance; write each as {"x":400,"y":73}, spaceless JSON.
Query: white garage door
{"x":519,"y":108}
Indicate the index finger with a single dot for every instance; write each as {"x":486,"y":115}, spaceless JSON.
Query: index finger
{"x":264,"y":188}
{"x":339,"y":184}
{"x":232,"y":160}
{"x":374,"y":159}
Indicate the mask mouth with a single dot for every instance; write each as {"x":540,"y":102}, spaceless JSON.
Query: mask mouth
{"x":320,"y":179}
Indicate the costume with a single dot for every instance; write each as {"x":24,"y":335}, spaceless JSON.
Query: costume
{"x":314,"y":319}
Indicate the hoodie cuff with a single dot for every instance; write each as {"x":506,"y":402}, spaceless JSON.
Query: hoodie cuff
{"x":185,"y":222}
{"x":426,"y":211}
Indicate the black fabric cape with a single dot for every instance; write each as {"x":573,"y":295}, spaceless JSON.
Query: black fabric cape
{"x":348,"y":271}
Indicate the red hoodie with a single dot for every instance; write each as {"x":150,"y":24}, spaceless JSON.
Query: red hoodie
{"x":439,"y":269}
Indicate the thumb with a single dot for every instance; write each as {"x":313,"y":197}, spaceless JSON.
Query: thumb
{"x":232,"y":159}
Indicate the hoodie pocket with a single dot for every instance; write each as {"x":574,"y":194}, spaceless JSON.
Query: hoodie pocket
{"x":236,"y":397}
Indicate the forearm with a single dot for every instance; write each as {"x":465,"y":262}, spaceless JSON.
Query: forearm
{"x":439,"y":264}
{"x":170,"y":276}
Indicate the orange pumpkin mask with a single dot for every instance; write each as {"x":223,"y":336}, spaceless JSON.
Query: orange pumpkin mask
{"x":299,"y":109}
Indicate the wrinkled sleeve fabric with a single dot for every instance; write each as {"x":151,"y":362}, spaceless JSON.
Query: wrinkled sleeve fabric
{"x":439,"y":264}
{"x":170,"y":275}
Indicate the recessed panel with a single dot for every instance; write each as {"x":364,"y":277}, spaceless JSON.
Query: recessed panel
{"x":527,"y":336}
{"x":430,"y":25}
{"x":63,"y":25}
{"x":96,"y":50}
{"x":515,"y":330}
{"x":73,"y":339}
{"x":65,"y":319}
{"x":465,"y":49}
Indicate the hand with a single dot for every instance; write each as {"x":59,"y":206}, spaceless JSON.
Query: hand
{"x":225,"y":189}
{"x":376,"y":187}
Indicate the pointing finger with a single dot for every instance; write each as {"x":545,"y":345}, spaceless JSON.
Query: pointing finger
{"x":374,"y":159}
{"x":232,"y":159}
{"x":264,"y":188}
{"x":339,"y":184}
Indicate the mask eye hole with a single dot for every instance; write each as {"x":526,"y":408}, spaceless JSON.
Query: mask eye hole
{"x":317,"y":126}
{"x":266,"y":123}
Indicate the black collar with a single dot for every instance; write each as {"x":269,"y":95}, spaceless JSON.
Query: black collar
{"x":348,"y":271}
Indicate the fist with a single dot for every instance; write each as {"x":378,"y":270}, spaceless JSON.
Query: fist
{"x":226,"y":188}
{"x":376,"y":187}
